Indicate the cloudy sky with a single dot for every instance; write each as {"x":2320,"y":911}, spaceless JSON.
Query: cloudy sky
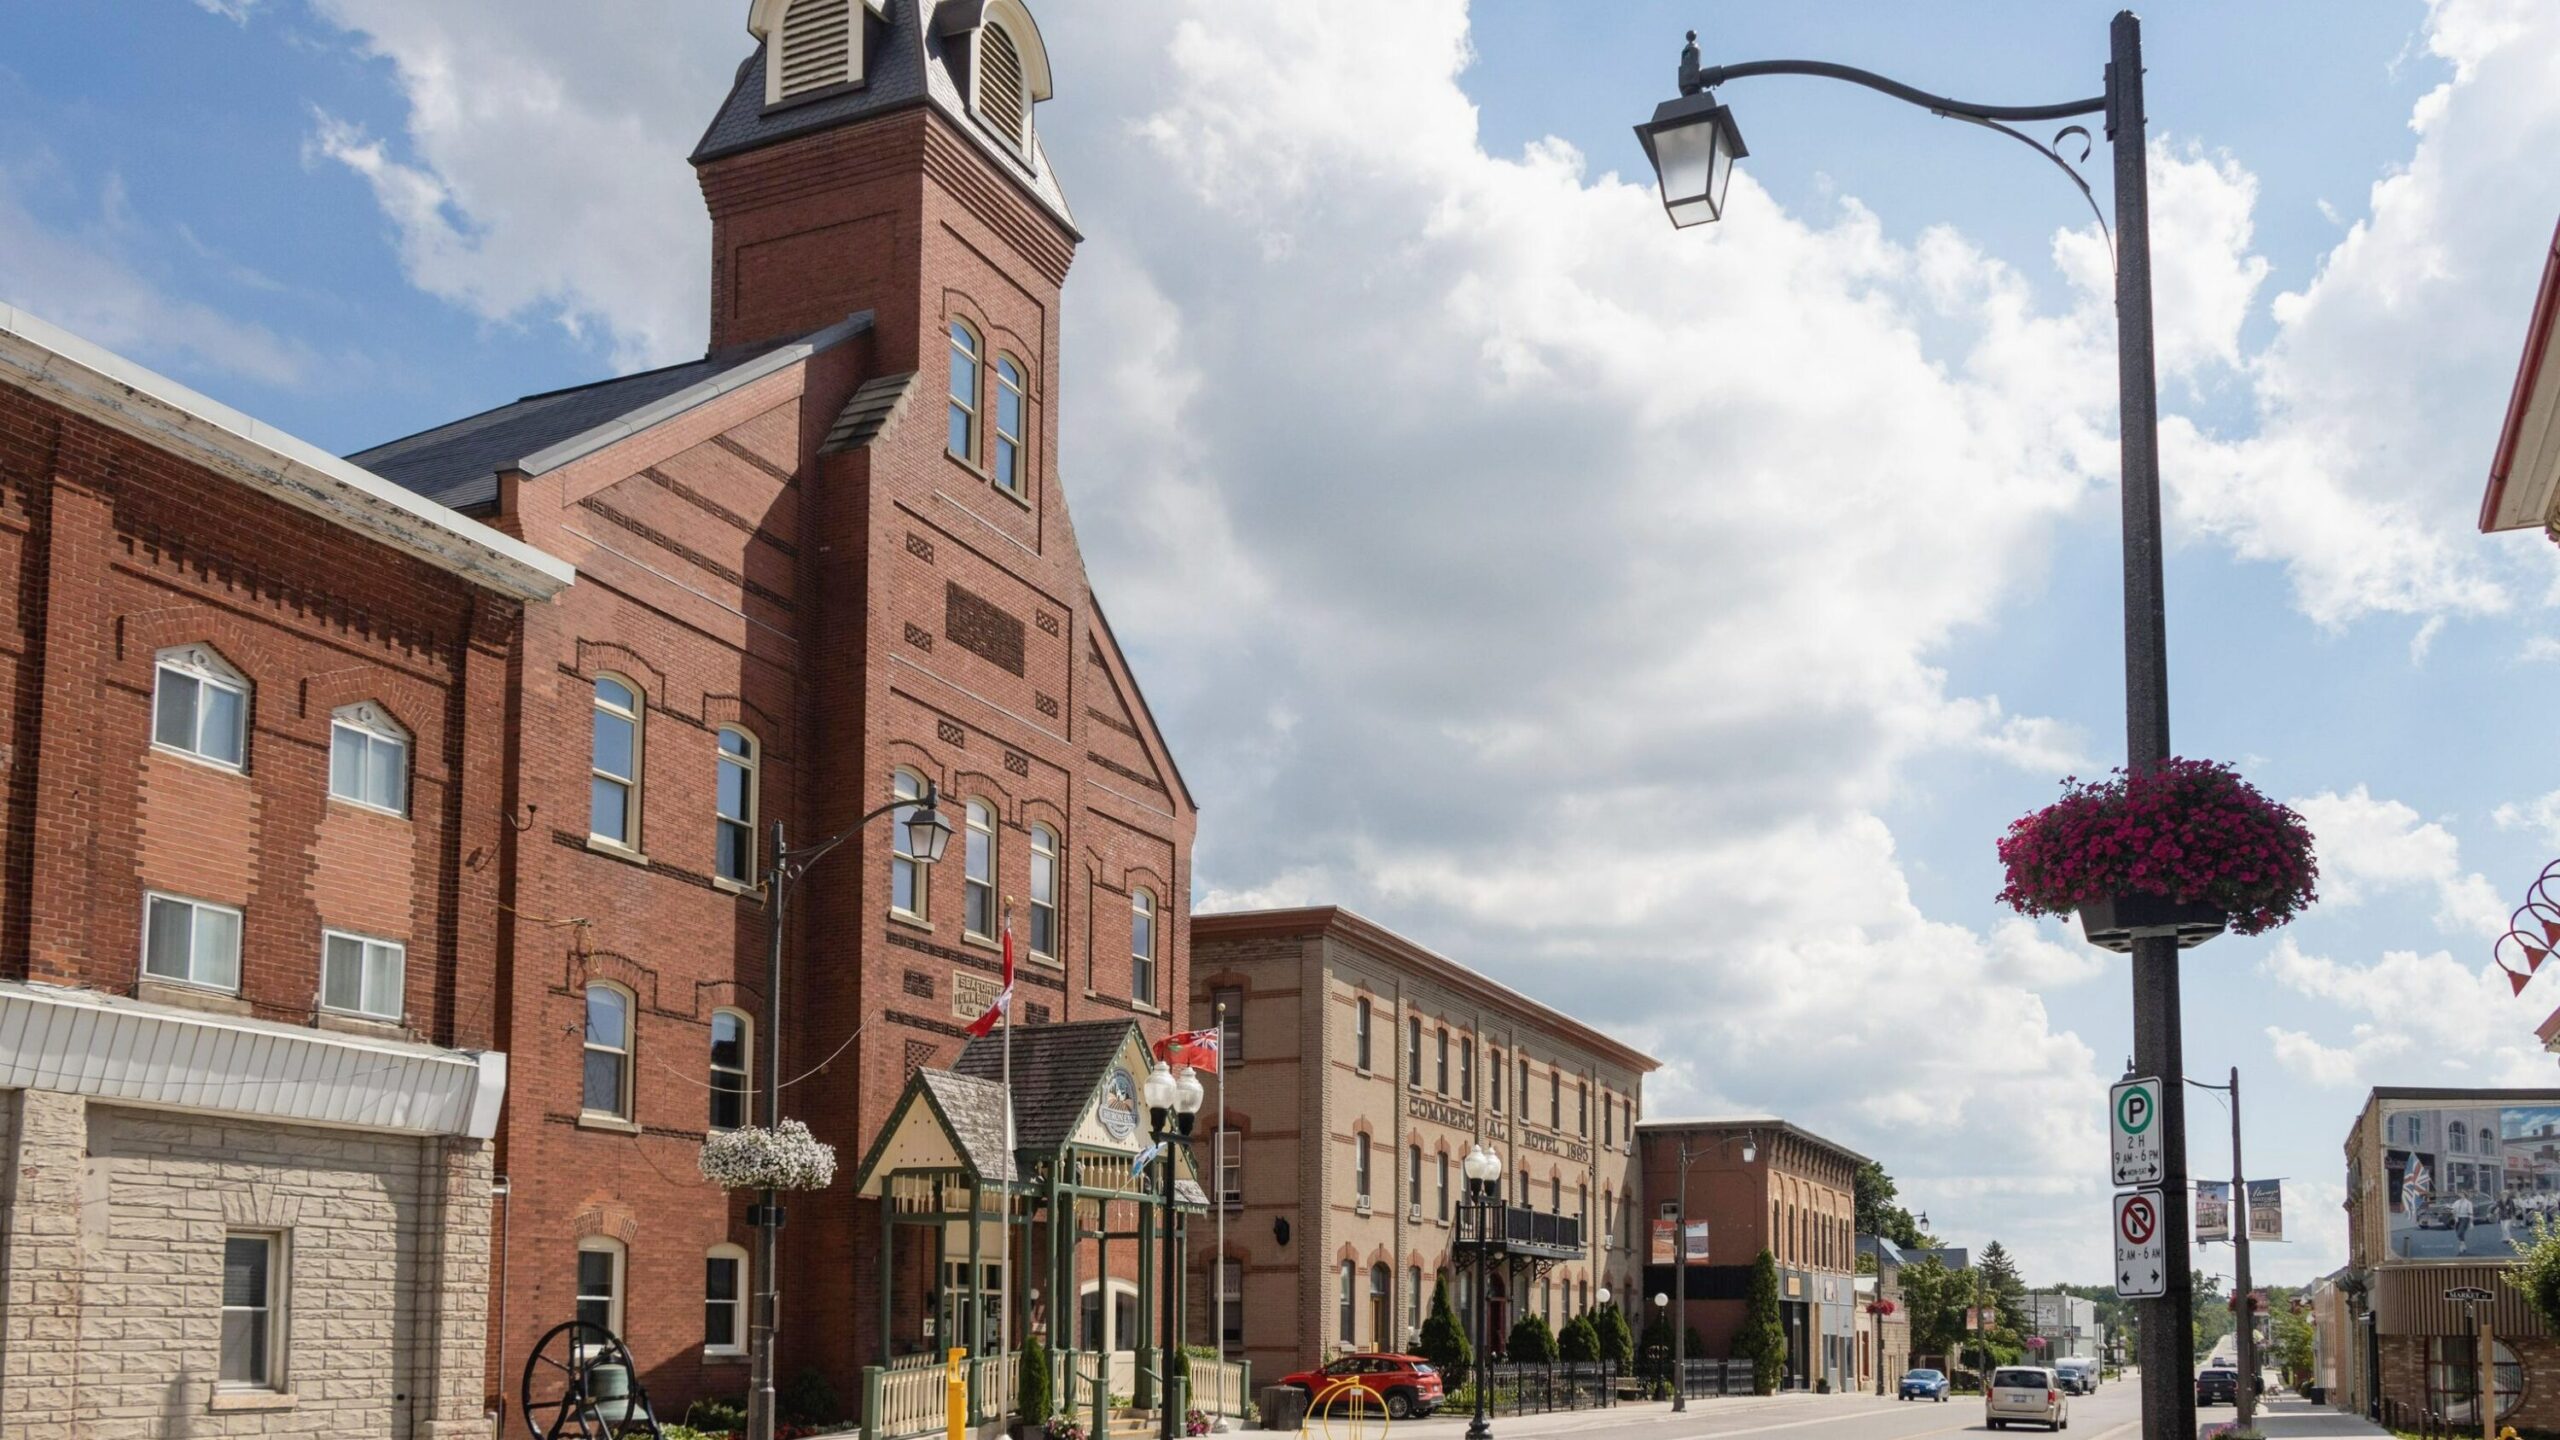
{"x":1666,"y":623}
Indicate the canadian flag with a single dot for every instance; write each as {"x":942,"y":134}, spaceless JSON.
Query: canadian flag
{"x":985,"y":1024}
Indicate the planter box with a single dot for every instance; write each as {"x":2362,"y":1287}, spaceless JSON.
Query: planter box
{"x":2114,"y":924}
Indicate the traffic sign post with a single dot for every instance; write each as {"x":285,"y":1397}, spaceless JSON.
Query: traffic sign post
{"x":2142,"y":1252}
{"x":2133,"y":1123}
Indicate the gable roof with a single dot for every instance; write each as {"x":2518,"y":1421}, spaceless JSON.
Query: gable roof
{"x":1056,"y":1070}
{"x":973,"y":1111}
{"x":457,"y":463}
{"x":906,"y":63}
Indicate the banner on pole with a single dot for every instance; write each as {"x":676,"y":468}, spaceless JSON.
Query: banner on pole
{"x":2213,"y":1210}
{"x":1693,"y":1247}
{"x":1666,"y":1242}
{"x":2266,"y":1210}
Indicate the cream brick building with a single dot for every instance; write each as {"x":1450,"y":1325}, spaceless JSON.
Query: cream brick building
{"x":1360,"y":1069}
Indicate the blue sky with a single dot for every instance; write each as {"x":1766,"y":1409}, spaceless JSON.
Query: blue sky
{"x":1710,"y":601}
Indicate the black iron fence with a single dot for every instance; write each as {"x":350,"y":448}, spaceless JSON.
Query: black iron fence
{"x":1700,"y":1379}
{"x":1537,"y":1389}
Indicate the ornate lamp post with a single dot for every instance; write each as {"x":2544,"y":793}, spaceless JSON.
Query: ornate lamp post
{"x":1483,"y":1171}
{"x":928,"y":834}
{"x":1173,"y":1103}
{"x":1692,"y":142}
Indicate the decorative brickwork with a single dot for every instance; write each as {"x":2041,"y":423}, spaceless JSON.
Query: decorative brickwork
{"x":982,"y":628}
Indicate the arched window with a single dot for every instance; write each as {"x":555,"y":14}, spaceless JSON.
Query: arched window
{"x":1381,"y":1303}
{"x":2457,"y":1137}
{"x":368,"y":758}
{"x":1413,"y":1176}
{"x":1360,"y":1167}
{"x":607,"y":1088}
{"x":1142,"y":946}
{"x":909,"y":894}
{"x":1413,"y":1051}
{"x":1361,"y":1011}
{"x":200,"y":706}
{"x":1006,"y":462}
{"x":1002,"y":98}
{"x":600,"y":1275}
{"x":731,"y":1052}
{"x":966,"y":360}
{"x":1467,"y":1068}
{"x":819,"y":46}
{"x":1443,"y":1192}
{"x":1440,"y":1061}
{"x":978,"y":872}
{"x":1044,"y":892}
{"x":613,"y":788}
{"x":736,"y":805}
{"x":724,"y":1301}
{"x":1348,"y":1308}
{"x":1493,"y":1068}
{"x":1413,"y":1298}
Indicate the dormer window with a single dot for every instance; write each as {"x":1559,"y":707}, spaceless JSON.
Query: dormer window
{"x":810,"y":45}
{"x":1001,"y":96}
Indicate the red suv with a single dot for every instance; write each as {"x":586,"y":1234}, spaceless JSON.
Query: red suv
{"x":1403,"y":1385}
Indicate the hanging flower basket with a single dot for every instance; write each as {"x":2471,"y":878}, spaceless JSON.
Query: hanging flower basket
{"x":755,"y":1158}
{"x":2183,"y":851}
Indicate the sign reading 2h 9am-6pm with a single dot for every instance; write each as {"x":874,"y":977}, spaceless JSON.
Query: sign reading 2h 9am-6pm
{"x":2133,"y":1120}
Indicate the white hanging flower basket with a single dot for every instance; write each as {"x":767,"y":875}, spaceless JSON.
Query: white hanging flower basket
{"x":755,"y":1158}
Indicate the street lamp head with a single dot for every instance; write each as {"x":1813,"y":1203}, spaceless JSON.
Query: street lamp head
{"x":1159,"y":1090}
{"x":1750,"y":1151}
{"x":928,"y":834}
{"x":1187,"y":1092}
{"x":1603,"y":1294}
{"x":1482,"y":1165}
{"x":1692,"y":143}
{"x":1660,"y":1299}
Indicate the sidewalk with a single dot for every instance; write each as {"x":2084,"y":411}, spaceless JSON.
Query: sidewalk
{"x":1452,"y":1424}
{"x":2290,"y":1417}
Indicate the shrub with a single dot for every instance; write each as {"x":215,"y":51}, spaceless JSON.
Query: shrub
{"x":1444,"y":1340}
{"x":2536,"y":1273}
{"x":1531,"y":1343}
{"x":1033,"y":1398}
{"x":2189,"y":831}
{"x":1617,"y":1340}
{"x":1763,"y":1337}
{"x":717,"y":1417}
{"x":1580,"y":1342}
{"x":809,"y":1399}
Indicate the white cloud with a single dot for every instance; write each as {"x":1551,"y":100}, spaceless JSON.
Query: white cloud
{"x":2368,"y":844}
{"x":2434,"y":1019}
{"x":2324,"y":1065}
{"x":235,"y":11}
{"x":2539,"y":816}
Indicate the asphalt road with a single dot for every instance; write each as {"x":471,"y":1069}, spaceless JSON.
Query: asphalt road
{"x":2113,"y":1413}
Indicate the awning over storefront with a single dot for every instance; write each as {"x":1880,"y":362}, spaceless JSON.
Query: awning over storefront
{"x":113,"y":1048}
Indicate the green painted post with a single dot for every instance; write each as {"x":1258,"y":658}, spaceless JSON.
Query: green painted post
{"x":874,"y":1386}
{"x":1148,"y":1362}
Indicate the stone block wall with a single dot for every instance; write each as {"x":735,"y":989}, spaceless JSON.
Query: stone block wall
{"x":115,"y":1226}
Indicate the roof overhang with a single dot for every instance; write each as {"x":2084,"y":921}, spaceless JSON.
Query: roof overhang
{"x":2524,"y":474}
{"x":131,"y":1052}
{"x":58,"y":366}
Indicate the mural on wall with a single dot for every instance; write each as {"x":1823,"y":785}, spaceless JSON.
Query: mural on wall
{"x":2467,"y":1182}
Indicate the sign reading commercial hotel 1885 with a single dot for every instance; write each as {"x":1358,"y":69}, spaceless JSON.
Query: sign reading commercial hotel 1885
{"x":1577,"y":1151}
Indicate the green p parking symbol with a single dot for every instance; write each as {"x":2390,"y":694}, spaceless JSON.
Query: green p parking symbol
{"x":2134,"y":1110}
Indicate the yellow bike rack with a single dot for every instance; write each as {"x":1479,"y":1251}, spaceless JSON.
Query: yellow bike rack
{"x":1356,"y":1407}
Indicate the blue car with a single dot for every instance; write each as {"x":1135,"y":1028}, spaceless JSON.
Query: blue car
{"x":1924,"y":1385}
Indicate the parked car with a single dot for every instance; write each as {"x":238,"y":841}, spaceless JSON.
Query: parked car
{"x":2217,"y":1385}
{"x":1924,"y":1385}
{"x":1405,"y":1386}
{"x":2025,"y":1395}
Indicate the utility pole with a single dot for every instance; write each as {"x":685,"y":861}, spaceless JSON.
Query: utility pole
{"x":2241,"y":1300}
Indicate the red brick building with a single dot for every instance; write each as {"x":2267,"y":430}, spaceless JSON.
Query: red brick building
{"x":259,"y":714}
{"x":830,"y":559}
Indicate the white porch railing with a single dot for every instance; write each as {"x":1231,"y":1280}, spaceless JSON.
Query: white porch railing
{"x":1218,"y":1386}
{"x":911,"y":1402}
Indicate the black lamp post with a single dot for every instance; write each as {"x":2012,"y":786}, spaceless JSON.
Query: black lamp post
{"x":1483,"y":1171}
{"x":1693,"y":143}
{"x":1173,"y":1104}
{"x":927,"y":836}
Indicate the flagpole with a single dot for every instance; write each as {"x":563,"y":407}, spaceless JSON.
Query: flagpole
{"x":1218,"y":1197}
{"x":1012,"y":1160}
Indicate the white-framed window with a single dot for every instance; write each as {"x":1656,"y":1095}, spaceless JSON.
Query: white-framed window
{"x":1003,"y":98}
{"x":613,"y":789}
{"x":1231,"y":1324}
{"x":1349,"y":1307}
{"x":607,"y":1079}
{"x":1360,"y":1166}
{"x":1413,"y":1051}
{"x":724,"y":1301}
{"x":1142,"y":946}
{"x":1494,"y":1069}
{"x":600,"y":1272}
{"x":200,"y":706}
{"x":253,"y":1293}
{"x":1467,"y":1069}
{"x":736,"y":806}
{"x":361,"y":975}
{"x":1413,"y":1298}
{"x":968,"y":358}
{"x":369,"y":758}
{"x":978,"y":871}
{"x":732,"y":1049}
{"x":1011,"y":405}
{"x":909,"y":890}
{"x":1440,"y":1062}
{"x":1413,"y":1175}
{"x":194,"y":942}
{"x":1361,"y":1016}
{"x":1443,"y":1192}
{"x":1226,"y":1007}
{"x":1231,"y":1166}
{"x":1044,"y":892}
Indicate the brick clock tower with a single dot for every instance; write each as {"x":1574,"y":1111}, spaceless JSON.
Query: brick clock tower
{"x":827,"y":564}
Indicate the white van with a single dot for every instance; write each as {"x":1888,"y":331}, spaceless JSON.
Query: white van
{"x":2078,"y":1374}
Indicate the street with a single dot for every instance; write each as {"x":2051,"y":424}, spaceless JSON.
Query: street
{"x":2113,"y":1413}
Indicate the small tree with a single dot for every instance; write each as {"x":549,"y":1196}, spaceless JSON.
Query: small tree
{"x":1617,"y":1342}
{"x":1657,"y":1342}
{"x":1763,"y":1337}
{"x":1444,"y":1340}
{"x":2536,"y":1273}
{"x":1532,"y":1343}
{"x":1032,"y":1396}
{"x":1580,"y":1342}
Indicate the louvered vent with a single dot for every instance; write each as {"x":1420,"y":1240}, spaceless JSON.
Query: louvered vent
{"x":1000,"y":96}
{"x":817,"y":45}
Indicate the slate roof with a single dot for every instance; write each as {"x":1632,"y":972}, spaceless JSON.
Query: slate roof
{"x":868,"y":411}
{"x":457,"y":463}
{"x":907,"y":64}
{"x":975,"y":1109}
{"x":1056,"y":1069}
